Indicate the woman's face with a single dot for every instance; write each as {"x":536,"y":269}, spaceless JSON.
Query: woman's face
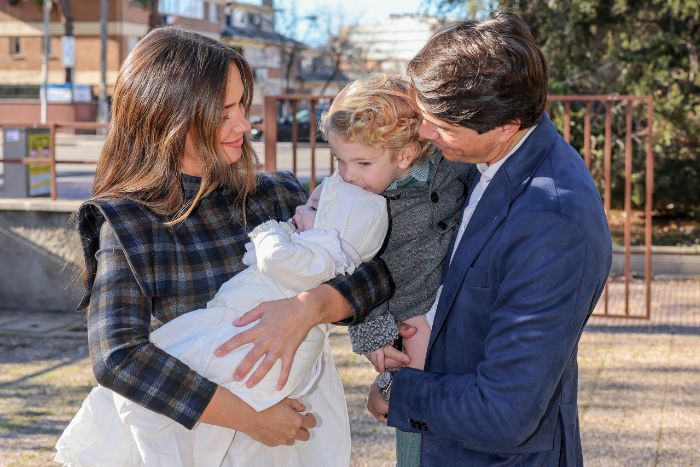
{"x":233,"y":122}
{"x":232,"y":128}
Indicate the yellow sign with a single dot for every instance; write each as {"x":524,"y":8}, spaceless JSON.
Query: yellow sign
{"x":39,"y":145}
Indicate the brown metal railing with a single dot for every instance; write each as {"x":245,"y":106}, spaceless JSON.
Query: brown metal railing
{"x":589,"y":105}
{"x":564,"y":110}
{"x":613,"y":103}
{"x":53,"y":127}
{"x":270,"y":112}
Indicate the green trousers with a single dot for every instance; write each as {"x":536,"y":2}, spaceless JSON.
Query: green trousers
{"x":407,"y":449}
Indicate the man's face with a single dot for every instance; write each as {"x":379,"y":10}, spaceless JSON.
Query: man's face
{"x":458,"y":143}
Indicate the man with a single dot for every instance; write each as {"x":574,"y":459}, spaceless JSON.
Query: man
{"x":529,"y":262}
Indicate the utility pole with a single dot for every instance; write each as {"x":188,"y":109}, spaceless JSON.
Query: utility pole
{"x":45,"y":63}
{"x":102,"y":103}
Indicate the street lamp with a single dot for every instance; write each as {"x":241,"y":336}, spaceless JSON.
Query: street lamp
{"x":45,"y":64}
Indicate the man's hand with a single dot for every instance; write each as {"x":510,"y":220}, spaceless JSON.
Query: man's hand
{"x":376,"y":405}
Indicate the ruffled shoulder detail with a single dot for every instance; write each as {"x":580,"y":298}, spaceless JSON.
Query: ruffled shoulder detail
{"x":346,"y":260}
{"x":137,"y":230}
{"x":328,"y":197}
{"x":270,"y":225}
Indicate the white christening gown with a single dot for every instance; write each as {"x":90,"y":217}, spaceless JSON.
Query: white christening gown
{"x":110,"y":430}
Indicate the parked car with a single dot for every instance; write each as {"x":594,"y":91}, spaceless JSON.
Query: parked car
{"x":284,"y":126}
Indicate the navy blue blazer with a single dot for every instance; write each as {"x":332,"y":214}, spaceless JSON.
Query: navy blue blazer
{"x":500,"y":381}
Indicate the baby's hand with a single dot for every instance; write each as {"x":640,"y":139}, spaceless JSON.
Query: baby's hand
{"x":377,"y":359}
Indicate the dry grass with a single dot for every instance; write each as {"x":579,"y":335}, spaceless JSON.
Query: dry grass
{"x":638,"y":398}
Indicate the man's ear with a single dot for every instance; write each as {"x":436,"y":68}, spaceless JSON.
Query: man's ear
{"x":509,"y":129}
{"x":407,"y":155}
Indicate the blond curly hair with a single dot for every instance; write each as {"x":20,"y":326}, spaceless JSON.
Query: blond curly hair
{"x":378,"y":111}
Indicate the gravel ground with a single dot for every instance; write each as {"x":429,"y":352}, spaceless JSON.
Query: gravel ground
{"x":638,"y":402}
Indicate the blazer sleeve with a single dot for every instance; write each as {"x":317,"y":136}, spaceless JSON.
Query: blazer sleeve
{"x":546,"y":277}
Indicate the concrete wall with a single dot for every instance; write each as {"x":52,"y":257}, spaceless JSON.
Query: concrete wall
{"x":39,"y":256}
{"x":666,"y":261}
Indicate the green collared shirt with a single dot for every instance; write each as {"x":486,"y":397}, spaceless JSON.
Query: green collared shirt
{"x":419,"y":176}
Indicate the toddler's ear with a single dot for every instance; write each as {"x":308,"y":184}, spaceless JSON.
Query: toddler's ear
{"x":407,"y":155}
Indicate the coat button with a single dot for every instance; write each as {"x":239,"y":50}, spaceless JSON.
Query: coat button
{"x":442,"y":225}
{"x":434,"y":197}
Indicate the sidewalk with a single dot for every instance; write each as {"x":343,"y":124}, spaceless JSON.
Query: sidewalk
{"x":638,"y":394}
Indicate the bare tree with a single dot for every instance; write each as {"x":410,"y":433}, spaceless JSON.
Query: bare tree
{"x":153,"y":14}
{"x":340,"y":50}
{"x":67,"y":19}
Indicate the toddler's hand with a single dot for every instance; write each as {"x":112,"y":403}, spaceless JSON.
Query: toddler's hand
{"x":377,"y":359}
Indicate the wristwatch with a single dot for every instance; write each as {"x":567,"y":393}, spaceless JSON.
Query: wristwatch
{"x":383,"y":383}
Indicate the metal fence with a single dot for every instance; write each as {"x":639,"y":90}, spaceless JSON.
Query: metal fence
{"x":631,"y":133}
{"x":614,"y":137}
{"x":591,"y":124}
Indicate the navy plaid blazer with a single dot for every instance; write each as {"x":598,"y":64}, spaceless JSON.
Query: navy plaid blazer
{"x":141,"y":274}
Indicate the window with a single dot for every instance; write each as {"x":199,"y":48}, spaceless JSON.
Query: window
{"x":15,"y":46}
{"x":213,"y":12}
{"x":131,"y":43}
{"x":254,"y":19}
{"x":188,"y":8}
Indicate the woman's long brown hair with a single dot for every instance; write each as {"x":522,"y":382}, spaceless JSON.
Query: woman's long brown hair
{"x":172,"y":83}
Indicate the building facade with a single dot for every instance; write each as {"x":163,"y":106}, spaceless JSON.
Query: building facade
{"x":249,"y":28}
{"x":387,"y":45}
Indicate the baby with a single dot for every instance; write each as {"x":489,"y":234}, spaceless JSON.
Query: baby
{"x":340,"y":227}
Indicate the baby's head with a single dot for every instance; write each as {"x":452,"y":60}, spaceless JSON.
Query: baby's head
{"x":372,"y":127}
{"x":360,"y":217}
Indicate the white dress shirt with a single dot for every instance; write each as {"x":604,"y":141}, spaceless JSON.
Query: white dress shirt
{"x":487,"y":174}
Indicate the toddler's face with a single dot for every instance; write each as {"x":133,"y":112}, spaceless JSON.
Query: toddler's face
{"x":305,"y":215}
{"x":373,"y":169}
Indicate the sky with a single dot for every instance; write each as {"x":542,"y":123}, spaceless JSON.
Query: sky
{"x":356,"y":11}
{"x":332,"y":14}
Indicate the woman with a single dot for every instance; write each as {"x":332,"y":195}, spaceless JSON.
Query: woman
{"x":175,"y":192}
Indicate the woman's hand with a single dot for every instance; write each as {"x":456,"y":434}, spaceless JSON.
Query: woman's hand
{"x":376,"y":405}
{"x":282,"y":326}
{"x":283,"y":423}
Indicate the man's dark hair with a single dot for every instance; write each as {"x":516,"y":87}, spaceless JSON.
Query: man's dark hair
{"x":482,"y":74}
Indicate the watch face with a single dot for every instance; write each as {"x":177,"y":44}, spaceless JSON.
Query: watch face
{"x":384,"y":380}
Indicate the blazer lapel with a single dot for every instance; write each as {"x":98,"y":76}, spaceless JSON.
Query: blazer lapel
{"x":510,"y":181}
{"x":490,"y":212}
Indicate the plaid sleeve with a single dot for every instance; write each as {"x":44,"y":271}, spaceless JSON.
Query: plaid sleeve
{"x":124,"y":360}
{"x":367,"y":287}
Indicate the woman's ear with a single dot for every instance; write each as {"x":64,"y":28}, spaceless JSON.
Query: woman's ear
{"x":407,"y":155}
